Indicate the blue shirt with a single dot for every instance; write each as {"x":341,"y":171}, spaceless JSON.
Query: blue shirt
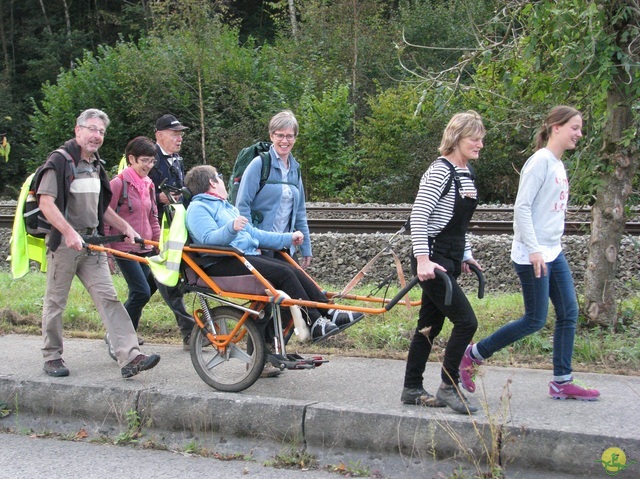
{"x":268,"y":200}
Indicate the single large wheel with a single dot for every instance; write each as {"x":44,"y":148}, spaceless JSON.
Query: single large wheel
{"x":237,"y":366}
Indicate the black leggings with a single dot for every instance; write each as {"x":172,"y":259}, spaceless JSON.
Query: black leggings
{"x":432,"y":315}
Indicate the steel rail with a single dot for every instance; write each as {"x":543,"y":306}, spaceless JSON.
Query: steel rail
{"x":360,"y":226}
{"x":357,"y":210}
{"x":317,"y":225}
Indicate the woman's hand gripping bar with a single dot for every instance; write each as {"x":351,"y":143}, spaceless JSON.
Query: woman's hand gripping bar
{"x":414,"y":281}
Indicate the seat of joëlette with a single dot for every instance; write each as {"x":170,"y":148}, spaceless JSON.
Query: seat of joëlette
{"x":245,"y":284}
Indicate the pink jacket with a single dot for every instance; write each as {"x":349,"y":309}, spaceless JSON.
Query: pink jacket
{"x":143,"y":216}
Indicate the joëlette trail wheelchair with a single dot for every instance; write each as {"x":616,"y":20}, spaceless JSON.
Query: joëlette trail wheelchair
{"x":228,"y":349}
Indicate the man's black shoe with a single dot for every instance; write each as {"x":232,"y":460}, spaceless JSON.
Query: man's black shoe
{"x":140,"y":363}
{"x":56,"y":368}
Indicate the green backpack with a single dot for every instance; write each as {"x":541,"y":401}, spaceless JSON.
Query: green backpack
{"x":243,"y":159}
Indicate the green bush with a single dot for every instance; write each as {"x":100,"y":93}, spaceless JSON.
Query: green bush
{"x":397,"y":142}
{"x":326,"y":122}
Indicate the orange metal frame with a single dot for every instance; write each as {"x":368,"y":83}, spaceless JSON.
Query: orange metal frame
{"x":258,"y":302}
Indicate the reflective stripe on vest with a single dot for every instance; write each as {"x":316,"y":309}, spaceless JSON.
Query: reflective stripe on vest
{"x":166,"y":265}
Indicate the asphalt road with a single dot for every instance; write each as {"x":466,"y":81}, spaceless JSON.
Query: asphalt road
{"x":25,"y":457}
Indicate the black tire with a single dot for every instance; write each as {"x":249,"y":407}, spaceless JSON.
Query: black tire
{"x":239,"y":366}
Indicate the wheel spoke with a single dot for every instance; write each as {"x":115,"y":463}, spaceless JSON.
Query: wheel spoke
{"x":238,"y":365}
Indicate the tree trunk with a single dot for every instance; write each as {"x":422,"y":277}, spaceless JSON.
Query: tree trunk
{"x":5,"y":49}
{"x":294,"y":22}
{"x":46,"y":19}
{"x":354,"y":66}
{"x":67,"y":19}
{"x":203,"y":142}
{"x":608,"y":221}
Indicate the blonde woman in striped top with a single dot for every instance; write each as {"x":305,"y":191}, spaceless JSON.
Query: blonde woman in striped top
{"x":445,"y":202}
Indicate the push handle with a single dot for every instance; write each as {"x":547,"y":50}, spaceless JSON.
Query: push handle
{"x":414,"y":281}
{"x":87,"y":240}
{"x":447,"y":282}
{"x":402,"y":293}
{"x":481,"y":281}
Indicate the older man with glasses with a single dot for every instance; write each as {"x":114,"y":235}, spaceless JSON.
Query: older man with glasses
{"x":74,"y":197}
{"x":169,"y":168}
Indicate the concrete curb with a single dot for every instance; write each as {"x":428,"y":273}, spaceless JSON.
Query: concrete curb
{"x":347,"y":404}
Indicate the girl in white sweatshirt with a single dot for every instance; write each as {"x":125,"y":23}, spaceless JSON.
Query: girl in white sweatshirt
{"x":536,"y":252}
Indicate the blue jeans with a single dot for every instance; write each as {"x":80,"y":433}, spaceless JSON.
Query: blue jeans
{"x":558,"y":286}
{"x":141,"y":286}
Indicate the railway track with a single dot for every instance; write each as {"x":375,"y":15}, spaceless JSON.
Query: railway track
{"x":392,"y":225}
{"x":317,"y":225}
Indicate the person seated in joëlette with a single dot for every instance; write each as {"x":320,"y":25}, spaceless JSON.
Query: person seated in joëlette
{"x":212,"y":220}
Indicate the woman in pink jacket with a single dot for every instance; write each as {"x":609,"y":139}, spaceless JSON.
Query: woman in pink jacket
{"x":134,"y":200}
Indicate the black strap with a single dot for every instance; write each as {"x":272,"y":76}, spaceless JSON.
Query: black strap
{"x":124,"y":195}
{"x":455,"y":176}
{"x":72,"y":165}
{"x":70,"y":161}
{"x":266,"y":170}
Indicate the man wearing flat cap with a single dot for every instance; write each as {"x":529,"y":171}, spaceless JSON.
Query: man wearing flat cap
{"x":169,"y":167}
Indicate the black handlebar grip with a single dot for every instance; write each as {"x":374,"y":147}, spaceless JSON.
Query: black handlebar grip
{"x":401,"y":294}
{"x":103,"y":239}
{"x":481,"y":280}
{"x":447,"y":282}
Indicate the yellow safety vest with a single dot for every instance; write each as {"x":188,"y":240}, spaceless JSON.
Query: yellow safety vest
{"x":166,"y":265}
{"x":123,"y":164}
{"x":23,"y":246}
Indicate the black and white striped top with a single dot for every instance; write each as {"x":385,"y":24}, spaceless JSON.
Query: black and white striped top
{"x":430,"y":213}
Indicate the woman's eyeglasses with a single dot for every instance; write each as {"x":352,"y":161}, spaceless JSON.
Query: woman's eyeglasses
{"x":281,"y":136}
{"x":146,"y":160}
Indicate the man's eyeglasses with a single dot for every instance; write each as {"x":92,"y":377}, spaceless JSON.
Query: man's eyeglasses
{"x":146,"y":160}
{"x":176,"y":133}
{"x":281,"y":136}
{"x":94,"y":129}
{"x":217,"y":177}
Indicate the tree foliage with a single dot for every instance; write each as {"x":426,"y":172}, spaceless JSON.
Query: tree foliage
{"x":190,"y":65}
{"x":581,"y":52}
{"x":397,"y":143}
{"x":225,"y":68}
{"x":533,"y":56}
{"x":326,"y":153}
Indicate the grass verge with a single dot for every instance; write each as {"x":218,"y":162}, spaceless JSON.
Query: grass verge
{"x":386,"y":335}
